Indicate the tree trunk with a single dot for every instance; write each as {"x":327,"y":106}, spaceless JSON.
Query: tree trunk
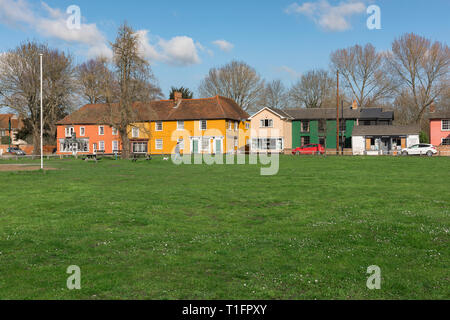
{"x":36,"y":142}
{"x":125,"y":144}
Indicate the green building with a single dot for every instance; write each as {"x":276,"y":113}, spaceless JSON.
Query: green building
{"x":319,"y":125}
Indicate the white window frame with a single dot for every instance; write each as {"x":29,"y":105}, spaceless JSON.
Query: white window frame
{"x":100,"y":143}
{"x":447,"y":122}
{"x":143,"y":147}
{"x":113,"y":143}
{"x":230,"y":125}
{"x":442,"y":141}
{"x":69,"y":130}
{"x":236,"y":125}
{"x":262,"y":123}
{"x":206,"y":125}
{"x":156,"y":144}
{"x":156,"y":125}
{"x":115,"y":132}
{"x":180,"y":125}
{"x":133,"y":132}
{"x":247,"y":125}
{"x":100,"y":128}
{"x":82,"y":133}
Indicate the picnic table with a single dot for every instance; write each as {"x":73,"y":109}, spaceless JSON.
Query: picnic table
{"x":90,"y":157}
{"x":136,"y":156}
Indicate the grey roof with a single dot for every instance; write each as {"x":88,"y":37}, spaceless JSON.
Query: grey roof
{"x":370,"y":113}
{"x":330,"y":113}
{"x":385,"y":130}
{"x":440,"y":115}
{"x":281,"y":112}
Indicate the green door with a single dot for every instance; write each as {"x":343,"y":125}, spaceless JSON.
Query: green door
{"x":194,"y":146}
{"x":218,"y":146}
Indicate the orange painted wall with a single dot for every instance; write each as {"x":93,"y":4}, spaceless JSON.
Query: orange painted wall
{"x":91,"y":132}
{"x":436,"y":132}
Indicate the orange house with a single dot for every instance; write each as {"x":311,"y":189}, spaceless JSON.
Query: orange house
{"x":209,"y":125}
{"x":88,"y":126}
{"x":440,"y":129}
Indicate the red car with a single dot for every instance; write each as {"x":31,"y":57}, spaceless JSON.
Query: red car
{"x":309,"y":149}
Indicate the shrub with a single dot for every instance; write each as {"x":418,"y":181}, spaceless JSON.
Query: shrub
{"x":424,"y":137}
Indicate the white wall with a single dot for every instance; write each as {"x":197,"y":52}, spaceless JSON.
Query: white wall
{"x":358,"y":145}
{"x":412,"y":139}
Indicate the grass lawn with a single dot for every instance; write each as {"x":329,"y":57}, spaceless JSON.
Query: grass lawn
{"x":154,"y":230}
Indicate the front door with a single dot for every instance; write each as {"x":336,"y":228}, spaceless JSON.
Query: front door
{"x":195,"y":146}
{"x":218,"y":146}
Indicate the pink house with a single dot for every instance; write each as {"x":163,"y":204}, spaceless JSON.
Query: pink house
{"x":440,"y":129}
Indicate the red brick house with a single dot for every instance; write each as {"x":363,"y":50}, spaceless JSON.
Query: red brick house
{"x":440,"y":129}
{"x":16,"y":125}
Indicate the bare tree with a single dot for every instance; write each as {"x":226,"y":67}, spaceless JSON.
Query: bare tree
{"x":96,"y":82}
{"x":20,"y":86}
{"x":235,"y":80}
{"x":315,"y":89}
{"x":423,"y":69}
{"x":275,"y":95}
{"x":134,"y":77}
{"x":364,"y":72}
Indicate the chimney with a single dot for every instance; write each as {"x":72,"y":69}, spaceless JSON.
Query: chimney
{"x":177,"y":96}
{"x":432,"y":108}
{"x":354,"y":105}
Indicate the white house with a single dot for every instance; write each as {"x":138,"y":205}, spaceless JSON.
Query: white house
{"x":379,"y":140}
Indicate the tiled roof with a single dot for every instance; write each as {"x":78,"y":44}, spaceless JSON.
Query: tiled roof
{"x":4,"y":121}
{"x":440,"y":115}
{"x":387,"y":130}
{"x":330,"y":113}
{"x":162,"y":110}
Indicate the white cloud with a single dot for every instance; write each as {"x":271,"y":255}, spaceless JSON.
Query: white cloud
{"x":224,"y":45}
{"x":52,"y":22}
{"x":327,"y":16}
{"x":292,"y":73}
{"x":20,"y":13}
{"x":179,"y":51}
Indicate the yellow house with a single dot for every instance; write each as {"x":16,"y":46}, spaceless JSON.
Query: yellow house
{"x":210,"y":125}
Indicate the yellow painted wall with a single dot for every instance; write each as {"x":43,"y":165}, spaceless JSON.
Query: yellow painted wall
{"x":170,"y":135}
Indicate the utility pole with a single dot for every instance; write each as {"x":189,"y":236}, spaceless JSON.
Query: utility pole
{"x":42,"y":122}
{"x":337,"y":115}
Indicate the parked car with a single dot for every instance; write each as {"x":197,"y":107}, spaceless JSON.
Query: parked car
{"x":15,"y":150}
{"x":309,"y":149}
{"x":420,"y":149}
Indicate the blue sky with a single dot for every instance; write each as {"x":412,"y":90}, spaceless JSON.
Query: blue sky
{"x":280,"y":39}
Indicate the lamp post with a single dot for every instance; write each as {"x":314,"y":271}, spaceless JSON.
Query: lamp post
{"x":42,"y":122}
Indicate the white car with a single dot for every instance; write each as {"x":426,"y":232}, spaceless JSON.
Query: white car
{"x":420,"y":149}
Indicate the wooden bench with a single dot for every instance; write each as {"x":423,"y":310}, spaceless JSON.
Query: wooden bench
{"x":90,"y":157}
{"x":136,"y":156}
